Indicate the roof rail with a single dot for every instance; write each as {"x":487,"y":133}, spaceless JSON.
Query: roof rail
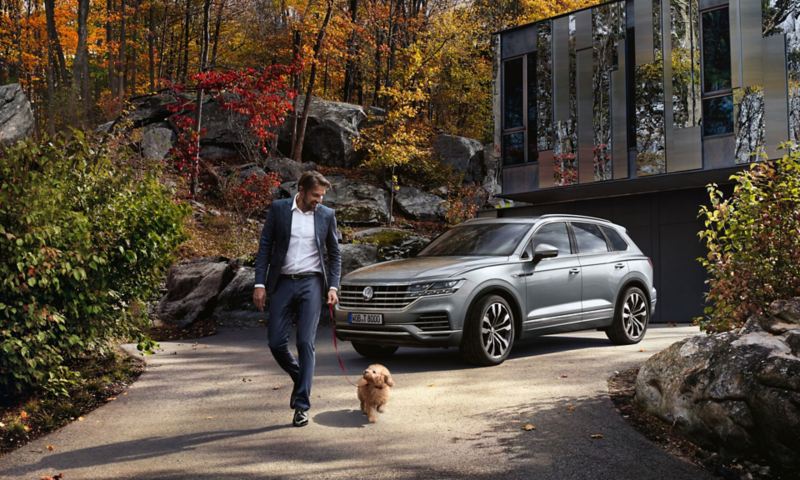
{"x":569,"y":215}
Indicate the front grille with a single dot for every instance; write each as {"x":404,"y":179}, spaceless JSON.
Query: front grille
{"x":433,"y":322}
{"x":385,"y":297}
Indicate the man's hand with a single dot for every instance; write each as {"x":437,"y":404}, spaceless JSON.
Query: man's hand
{"x":333,"y":299}
{"x":259,"y":298}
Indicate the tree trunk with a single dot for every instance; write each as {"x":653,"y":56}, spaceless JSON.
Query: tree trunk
{"x":151,"y":46}
{"x":352,"y":52}
{"x":123,"y":81}
{"x":297,"y":155}
{"x":80,"y":67}
{"x":132,"y":55}
{"x":54,"y":45}
{"x":112,"y":80}
{"x":184,"y":72}
{"x":213,"y":63}
{"x":296,"y":86}
{"x":201,"y":93}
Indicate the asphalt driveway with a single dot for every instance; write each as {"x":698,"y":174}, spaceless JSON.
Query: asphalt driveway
{"x":218,"y":408}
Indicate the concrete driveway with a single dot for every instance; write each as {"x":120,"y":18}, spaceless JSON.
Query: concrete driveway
{"x":218,"y":409}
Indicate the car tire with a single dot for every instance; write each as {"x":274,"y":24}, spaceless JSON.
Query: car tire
{"x":374,"y":351}
{"x":631,"y":318}
{"x":488,"y":331}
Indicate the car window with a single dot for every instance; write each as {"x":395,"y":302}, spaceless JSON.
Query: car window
{"x":491,"y":239}
{"x":589,"y":237}
{"x":554,"y":234}
{"x":618,"y":244}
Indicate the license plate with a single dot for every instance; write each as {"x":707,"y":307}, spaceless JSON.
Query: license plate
{"x":365,"y":318}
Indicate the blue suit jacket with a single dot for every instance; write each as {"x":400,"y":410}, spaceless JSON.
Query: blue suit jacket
{"x":275,"y":242}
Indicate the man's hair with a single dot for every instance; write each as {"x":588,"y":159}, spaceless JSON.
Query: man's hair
{"x":311,"y":179}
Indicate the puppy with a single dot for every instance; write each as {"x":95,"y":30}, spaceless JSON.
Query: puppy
{"x":373,"y":390}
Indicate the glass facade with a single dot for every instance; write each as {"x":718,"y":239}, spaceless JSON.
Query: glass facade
{"x":636,"y":88}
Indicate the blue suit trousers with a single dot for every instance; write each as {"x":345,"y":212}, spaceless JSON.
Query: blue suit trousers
{"x":299,"y":299}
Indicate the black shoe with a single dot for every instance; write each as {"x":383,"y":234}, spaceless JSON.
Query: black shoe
{"x":300,"y":418}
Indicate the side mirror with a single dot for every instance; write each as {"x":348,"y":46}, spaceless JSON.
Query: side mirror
{"x":544,"y":250}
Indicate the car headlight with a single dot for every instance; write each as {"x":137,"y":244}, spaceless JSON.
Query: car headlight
{"x":444,"y":287}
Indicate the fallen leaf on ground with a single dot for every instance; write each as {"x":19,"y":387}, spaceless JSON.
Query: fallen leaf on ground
{"x":528,"y":427}
{"x":563,"y":376}
{"x":111,"y":399}
{"x":432,"y":385}
{"x":641,"y":349}
{"x":596,"y":436}
{"x":59,"y":476}
{"x":26,"y":428}
{"x":51,"y":448}
{"x":2,"y":425}
{"x":277,"y":387}
{"x":209,"y":418}
{"x":80,"y":419}
{"x":23,"y":414}
{"x":570,"y":408}
{"x":124,"y":393}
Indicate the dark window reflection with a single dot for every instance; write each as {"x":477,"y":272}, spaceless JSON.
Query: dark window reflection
{"x":718,"y":115}
{"x":512,"y":82}
{"x":716,"y":51}
{"x":617,"y":243}
{"x":589,"y":237}
{"x":514,"y":148}
{"x":554,"y":234}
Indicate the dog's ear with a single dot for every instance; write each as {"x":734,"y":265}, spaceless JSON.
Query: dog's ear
{"x":387,"y":377}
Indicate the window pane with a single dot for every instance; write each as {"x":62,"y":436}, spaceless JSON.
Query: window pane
{"x":589,"y":237}
{"x":716,"y":51}
{"x":513,"y":148}
{"x":478,"y":240}
{"x":718,"y":115}
{"x":544,"y":96}
{"x":617,"y":242}
{"x":554,"y":234}
{"x":512,"y":83}
{"x":649,"y":100}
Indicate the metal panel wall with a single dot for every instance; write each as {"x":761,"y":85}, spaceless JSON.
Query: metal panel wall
{"x":619,"y":117}
{"x":561,"y":69}
{"x":517,"y":42}
{"x":735,"y":20}
{"x":546,"y":169}
{"x":523,"y":178}
{"x":685,"y":149}
{"x":776,"y":101}
{"x":643,"y":11}
{"x":751,"y":51}
{"x":584,"y":60}
{"x":583,"y":29}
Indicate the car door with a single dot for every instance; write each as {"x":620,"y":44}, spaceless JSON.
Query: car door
{"x":553,"y":284}
{"x":601,"y":273}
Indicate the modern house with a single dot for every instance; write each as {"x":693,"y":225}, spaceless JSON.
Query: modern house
{"x":626,"y":110}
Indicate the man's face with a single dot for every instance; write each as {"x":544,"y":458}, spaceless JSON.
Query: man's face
{"x":311,"y":198}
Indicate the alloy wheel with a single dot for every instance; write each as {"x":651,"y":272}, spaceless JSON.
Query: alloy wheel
{"x":496,"y":330}
{"x":634,"y":315}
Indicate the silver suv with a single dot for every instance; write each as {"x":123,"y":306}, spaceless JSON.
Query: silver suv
{"x":488,"y":282}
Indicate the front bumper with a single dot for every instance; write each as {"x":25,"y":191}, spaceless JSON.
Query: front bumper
{"x":434,"y":321}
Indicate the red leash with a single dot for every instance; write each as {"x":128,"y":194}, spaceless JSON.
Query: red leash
{"x":336,"y":346}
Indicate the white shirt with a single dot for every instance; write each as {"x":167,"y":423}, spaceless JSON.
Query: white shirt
{"x":302,"y":255}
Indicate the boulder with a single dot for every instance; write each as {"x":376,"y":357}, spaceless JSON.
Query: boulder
{"x":356,"y":203}
{"x":330,"y":131}
{"x":737,"y":392}
{"x":16,"y":115}
{"x":392,"y":243}
{"x":157,"y":140}
{"x":225,"y":127}
{"x":355,"y":256}
{"x":463,"y":154}
{"x":151,"y":108}
{"x":217,"y":153}
{"x":192,"y":289}
{"x":288,"y":169}
{"x":234,"y":306}
{"x":420,"y":205}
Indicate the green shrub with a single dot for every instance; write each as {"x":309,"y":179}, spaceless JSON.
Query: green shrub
{"x":753,"y":241}
{"x":84,"y":238}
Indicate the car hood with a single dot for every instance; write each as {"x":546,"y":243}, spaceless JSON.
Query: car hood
{"x":419,"y":268}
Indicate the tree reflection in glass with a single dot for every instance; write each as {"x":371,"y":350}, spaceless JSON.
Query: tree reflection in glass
{"x":608,"y":24}
{"x":749,"y":124}
{"x":649,"y":106}
{"x":783,"y":16}
{"x":685,"y":22}
{"x":565,"y":170}
{"x":544,"y":91}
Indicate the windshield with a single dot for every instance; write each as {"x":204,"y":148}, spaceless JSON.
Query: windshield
{"x":483,"y":239}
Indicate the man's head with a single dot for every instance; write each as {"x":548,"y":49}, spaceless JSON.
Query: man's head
{"x":311,"y":188}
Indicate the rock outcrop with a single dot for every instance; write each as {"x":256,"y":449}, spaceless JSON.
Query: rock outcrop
{"x":16,"y":116}
{"x":420,"y":205}
{"x":738,"y":391}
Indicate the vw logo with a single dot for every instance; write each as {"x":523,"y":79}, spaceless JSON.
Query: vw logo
{"x":367,"y":294}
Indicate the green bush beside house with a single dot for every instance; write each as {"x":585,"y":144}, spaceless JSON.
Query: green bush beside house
{"x":84,"y":239}
{"x":753,"y":242}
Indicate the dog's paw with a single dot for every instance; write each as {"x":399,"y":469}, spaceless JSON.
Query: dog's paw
{"x":381,"y":408}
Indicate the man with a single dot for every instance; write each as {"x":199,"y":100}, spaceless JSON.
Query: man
{"x":298,"y":262}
